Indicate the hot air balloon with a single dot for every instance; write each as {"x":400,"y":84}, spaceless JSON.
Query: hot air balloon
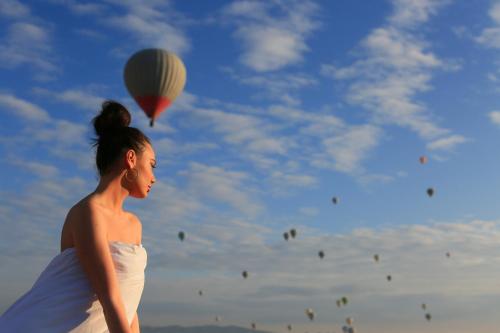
{"x":310,"y":314}
{"x":285,"y":236}
{"x":376,"y":257}
{"x":389,"y":278}
{"x":293,"y":233}
{"x":289,"y":327}
{"x":344,"y":300}
{"x":428,"y":316}
{"x":430,"y":191}
{"x":254,"y":326}
{"x":335,"y":200}
{"x":181,"y":236}
{"x":200,"y":293}
{"x":423,"y":159}
{"x":349,"y":321}
{"x":245,"y":274}
{"x":154,"y":78}
{"x":321,"y":254}
{"x":424,"y":306}
{"x":448,"y":254}
{"x":339,"y":303}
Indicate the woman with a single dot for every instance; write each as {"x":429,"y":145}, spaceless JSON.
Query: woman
{"x":95,"y":283}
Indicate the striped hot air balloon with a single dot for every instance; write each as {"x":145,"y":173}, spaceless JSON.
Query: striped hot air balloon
{"x":154,"y":78}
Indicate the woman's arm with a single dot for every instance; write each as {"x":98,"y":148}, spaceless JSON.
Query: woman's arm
{"x":135,"y":324}
{"x":92,"y":249}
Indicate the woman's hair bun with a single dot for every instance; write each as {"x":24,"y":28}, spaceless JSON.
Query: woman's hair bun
{"x":112,"y":117}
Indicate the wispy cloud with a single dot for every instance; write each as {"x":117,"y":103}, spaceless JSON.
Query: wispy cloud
{"x":83,"y":98}
{"x":494,"y":117}
{"x":22,"y":108}
{"x":226,"y":186}
{"x":409,"y":13}
{"x":394,"y":67}
{"x":447,"y":143}
{"x":152,"y":24}
{"x":28,"y":43}
{"x":38,"y":169}
{"x":82,"y":8}
{"x":286,"y":277}
{"x":14,"y":9}
{"x":276,"y":87}
{"x":271,"y":42}
{"x":346,"y":150}
{"x":490,"y":37}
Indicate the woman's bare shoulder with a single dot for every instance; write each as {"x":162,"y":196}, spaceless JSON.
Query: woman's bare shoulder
{"x":74,"y":218}
{"x":137,"y":226}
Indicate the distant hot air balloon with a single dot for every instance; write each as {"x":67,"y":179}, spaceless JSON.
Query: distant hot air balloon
{"x":181,"y":235}
{"x":321,"y":254}
{"x":430,"y":191}
{"x":310,"y":314}
{"x":244,"y":274}
{"x":154,"y":78}
{"x":428,"y":316}
{"x":376,"y":257}
{"x":200,"y":292}
{"x":293,"y":233}
{"x":285,"y":236}
{"x":389,"y":278}
{"x":424,"y":306}
{"x":448,"y":254}
{"x":339,"y":303}
{"x":254,"y":326}
{"x":289,"y":327}
{"x":423,"y":159}
{"x":344,"y":300}
{"x":335,"y":200}
{"x":349,"y":321}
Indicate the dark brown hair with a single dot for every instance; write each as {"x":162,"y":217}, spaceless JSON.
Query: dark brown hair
{"x":114,"y":136}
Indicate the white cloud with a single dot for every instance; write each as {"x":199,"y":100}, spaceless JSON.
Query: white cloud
{"x":215,"y":183}
{"x":22,"y":108}
{"x":82,"y":8}
{"x":271,"y":42}
{"x":394,"y":66}
{"x":281,"y":87}
{"x":346,"y":150}
{"x":41,"y":170}
{"x":494,"y":117}
{"x":293,"y":180}
{"x":447,"y":143}
{"x":14,"y":9}
{"x":28,"y":43}
{"x":244,"y":130}
{"x":151,"y":24}
{"x":81,"y":98}
{"x":490,"y":37}
{"x":408,"y":13}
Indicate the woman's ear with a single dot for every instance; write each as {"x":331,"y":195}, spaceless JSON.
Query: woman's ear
{"x":130,"y":158}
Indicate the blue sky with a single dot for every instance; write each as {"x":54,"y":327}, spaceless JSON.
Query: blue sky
{"x":287,"y":103}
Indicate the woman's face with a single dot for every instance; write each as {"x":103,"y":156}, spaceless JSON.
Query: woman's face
{"x":145,"y":163}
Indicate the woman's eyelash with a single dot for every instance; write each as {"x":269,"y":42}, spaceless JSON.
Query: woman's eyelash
{"x":153,"y":165}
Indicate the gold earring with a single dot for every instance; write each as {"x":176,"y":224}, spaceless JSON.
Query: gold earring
{"x":135,"y":177}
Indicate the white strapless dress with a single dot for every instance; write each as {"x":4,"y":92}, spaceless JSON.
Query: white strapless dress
{"x":62,"y":299}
